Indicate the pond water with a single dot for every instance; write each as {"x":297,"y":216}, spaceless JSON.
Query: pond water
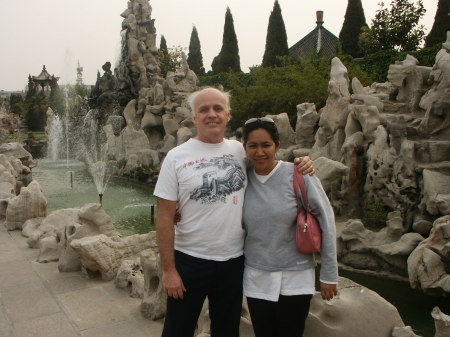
{"x":126,"y":202}
{"x":129,"y":206}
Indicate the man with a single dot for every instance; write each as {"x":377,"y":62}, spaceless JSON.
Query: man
{"x":202,"y":256}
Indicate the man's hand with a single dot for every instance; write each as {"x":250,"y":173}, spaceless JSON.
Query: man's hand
{"x":328,"y":291}
{"x":304,"y":165}
{"x":173,"y":285}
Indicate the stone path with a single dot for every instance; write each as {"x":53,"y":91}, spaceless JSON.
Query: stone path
{"x":36,"y":300}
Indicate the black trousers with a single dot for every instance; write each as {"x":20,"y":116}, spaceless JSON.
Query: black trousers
{"x":285,"y":318}
{"x":221,"y":282}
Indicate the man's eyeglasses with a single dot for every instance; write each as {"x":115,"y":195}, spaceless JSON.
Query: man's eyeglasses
{"x":262,"y":120}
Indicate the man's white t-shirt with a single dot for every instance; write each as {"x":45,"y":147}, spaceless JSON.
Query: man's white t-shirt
{"x":208,"y":181}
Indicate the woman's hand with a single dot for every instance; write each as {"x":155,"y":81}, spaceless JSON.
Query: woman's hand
{"x":304,"y":165}
{"x":328,"y":291}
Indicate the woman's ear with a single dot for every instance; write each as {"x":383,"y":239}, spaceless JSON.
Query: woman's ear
{"x":277,"y":146}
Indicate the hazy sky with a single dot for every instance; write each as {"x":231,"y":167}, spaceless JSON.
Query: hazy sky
{"x":58,"y":33}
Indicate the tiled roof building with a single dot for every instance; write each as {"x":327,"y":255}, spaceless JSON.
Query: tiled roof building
{"x":319,"y":41}
{"x":43,"y":81}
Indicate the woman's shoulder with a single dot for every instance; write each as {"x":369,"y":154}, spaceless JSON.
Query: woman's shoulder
{"x":286,"y":165}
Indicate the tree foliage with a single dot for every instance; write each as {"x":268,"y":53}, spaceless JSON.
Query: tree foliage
{"x":377,"y":64}
{"x":163,"y":44}
{"x":17,"y":104}
{"x":169,"y":58}
{"x":273,"y":90}
{"x":276,"y":39}
{"x":57,"y":99}
{"x":31,"y":90}
{"x":195,"y":58}
{"x":396,"y":28}
{"x":35,"y":115}
{"x":228,"y":58}
{"x":353,"y":23}
{"x":441,"y":24}
{"x":163,"y":57}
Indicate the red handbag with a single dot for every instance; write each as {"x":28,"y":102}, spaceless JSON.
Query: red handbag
{"x":308,"y":235}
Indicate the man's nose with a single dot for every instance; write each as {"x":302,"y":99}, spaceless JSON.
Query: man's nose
{"x":211,"y":112}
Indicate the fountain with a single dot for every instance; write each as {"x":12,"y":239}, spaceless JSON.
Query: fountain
{"x":54,"y":136}
{"x":93,"y":151}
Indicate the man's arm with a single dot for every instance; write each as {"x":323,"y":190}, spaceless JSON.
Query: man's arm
{"x":304,"y":165}
{"x":165,"y":235}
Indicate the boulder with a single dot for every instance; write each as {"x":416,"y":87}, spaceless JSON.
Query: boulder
{"x":153,"y":305}
{"x":386,"y":249}
{"x":287,"y":134}
{"x":436,"y":192}
{"x":30,"y":203}
{"x":357,"y":311}
{"x":441,"y":323}
{"x":104,"y":255}
{"x":329,"y":172}
{"x":307,"y":118}
{"x":429,"y":263}
{"x":130,"y":275}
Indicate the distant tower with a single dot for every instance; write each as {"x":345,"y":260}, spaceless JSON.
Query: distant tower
{"x":79,"y":74}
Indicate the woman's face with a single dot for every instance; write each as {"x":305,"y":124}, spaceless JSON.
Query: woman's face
{"x":261,"y":150}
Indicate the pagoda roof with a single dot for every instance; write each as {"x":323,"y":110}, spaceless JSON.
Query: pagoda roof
{"x":319,"y":41}
{"x":44,"y":76}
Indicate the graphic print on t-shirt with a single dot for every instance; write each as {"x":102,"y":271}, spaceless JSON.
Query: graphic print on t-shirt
{"x":221,"y":177}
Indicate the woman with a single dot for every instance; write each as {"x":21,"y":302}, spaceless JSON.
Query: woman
{"x":278,"y":280}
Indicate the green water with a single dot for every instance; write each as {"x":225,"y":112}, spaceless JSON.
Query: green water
{"x":127,"y":203}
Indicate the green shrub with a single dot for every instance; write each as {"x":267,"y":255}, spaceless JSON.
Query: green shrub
{"x":121,"y":163}
{"x":266,"y":90}
{"x":375,"y":216}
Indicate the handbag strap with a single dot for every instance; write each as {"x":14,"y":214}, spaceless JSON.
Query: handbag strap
{"x":299,"y":182}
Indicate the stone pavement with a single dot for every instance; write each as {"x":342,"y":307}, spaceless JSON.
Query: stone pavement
{"x":36,"y":300}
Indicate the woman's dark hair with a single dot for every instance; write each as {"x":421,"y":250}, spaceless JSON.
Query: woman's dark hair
{"x":256,"y":124}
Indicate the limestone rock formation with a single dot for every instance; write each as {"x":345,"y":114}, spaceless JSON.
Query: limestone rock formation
{"x":30,"y":203}
{"x":429,"y":263}
{"x":16,"y":150}
{"x":347,"y":315}
{"x":287,"y":134}
{"x":409,"y":80}
{"x":436,"y":192}
{"x":130,"y":275}
{"x":307,"y":118}
{"x":357,"y":311}
{"x":184,"y":79}
{"x":153,"y":304}
{"x":441,"y":322}
{"x":136,"y":108}
{"x":387,"y":249}
{"x":104,"y":255}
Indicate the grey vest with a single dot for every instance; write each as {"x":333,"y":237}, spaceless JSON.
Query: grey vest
{"x":269,"y":216}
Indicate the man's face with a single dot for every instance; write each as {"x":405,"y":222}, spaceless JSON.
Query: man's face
{"x":211,"y":116}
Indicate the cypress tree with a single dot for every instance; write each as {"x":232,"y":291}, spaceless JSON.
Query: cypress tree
{"x":228,"y":58}
{"x":351,"y":28}
{"x":276,"y":39}
{"x":441,"y":24}
{"x":164,"y":57}
{"x":195,"y":58}
{"x":163,"y":44}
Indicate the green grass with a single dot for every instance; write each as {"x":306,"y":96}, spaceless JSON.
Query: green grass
{"x":19,"y":137}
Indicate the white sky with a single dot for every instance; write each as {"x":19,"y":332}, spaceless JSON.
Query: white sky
{"x":58,"y":33}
